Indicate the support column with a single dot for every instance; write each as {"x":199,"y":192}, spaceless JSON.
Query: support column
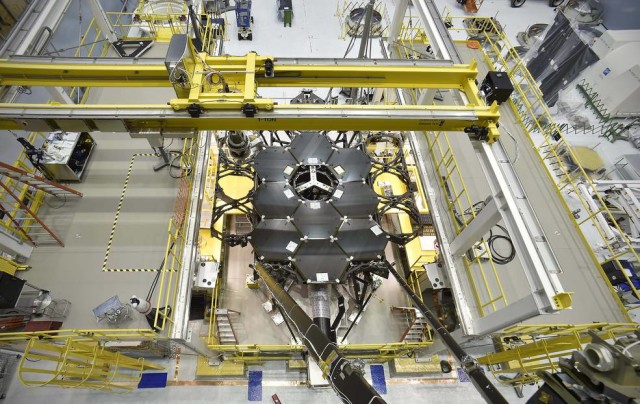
{"x":396,"y":26}
{"x":366,"y":32}
{"x":488,"y":217}
{"x":319,"y":296}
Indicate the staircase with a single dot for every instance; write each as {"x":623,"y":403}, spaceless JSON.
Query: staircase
{"x":226,"y":334}
{"x":417,"y":326}
{"x":20,"y":198}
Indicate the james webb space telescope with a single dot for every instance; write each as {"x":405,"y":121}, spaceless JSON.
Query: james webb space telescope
{"x":315,"y":215}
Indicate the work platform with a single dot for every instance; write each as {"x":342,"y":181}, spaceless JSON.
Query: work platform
{"x":592,"y":299}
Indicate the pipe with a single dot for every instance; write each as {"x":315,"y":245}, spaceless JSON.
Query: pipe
{"x":197,"y":41}
{"x":366,"y":32}
{"x":469,"y":365}
{"x":341,"y":310}
{"x":319,"y":296}
{"x":348,"y":383}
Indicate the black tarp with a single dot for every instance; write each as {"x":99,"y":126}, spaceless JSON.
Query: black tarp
{"x":559,"y":59}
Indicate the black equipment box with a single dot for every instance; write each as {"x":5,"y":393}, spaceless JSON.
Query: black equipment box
{"x":496,"y":87}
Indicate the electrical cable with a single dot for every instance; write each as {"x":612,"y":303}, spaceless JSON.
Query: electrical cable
{"x":515,"y":142}
{"x":172,"y":166}
{"x":64,"y":201}
{"x":154,"y":283}
{"x":628,"y":347}
{"x":72,"y":48}
{"x":496,"y":257}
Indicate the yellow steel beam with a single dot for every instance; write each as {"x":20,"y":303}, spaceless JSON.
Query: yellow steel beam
{"x":83,"y":75}
{"x":111,"y":73}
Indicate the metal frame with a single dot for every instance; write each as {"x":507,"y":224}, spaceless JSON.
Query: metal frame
{"x":540,"y":267}
{"x":199,"y":94}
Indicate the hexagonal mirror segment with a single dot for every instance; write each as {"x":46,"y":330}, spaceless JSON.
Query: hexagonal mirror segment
{"x":275,"y":200}
{"x":321,"y":261}
{"x":350,"y":164}
{"x":311,"y":148}
{"x":355,"y":199}
{"x":274,"y":164}
{"x":362,"y":239}
{"x":275,"y":239}
{"x":317,"y":219}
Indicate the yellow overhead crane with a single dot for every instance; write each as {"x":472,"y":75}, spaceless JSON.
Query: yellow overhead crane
{"x":222,"y":93}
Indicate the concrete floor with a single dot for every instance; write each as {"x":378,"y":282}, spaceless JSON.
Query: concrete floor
{"x":592,"y":300}
{"x":397,"y":391}
{"x":75,"y":272}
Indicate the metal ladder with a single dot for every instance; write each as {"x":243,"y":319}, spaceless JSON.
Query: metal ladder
{"x":23,"y":26}
{"x":416,"y":324}
{"x":23,"y":218}
{"x":226,"y":334}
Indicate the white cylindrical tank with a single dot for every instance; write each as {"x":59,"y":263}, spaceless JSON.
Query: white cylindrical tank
{"x":141,"y":305}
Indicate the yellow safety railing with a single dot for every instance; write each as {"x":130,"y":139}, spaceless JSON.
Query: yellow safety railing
{"x":534,"y":117}
{"x":266,"y":352}
{"x":91,"y":335}
{"x":92,"y":37}
{"x":215,"y":300}
{"x":80,"y":365}
{"x":172,"y":270}
{"x":527,"y":349}
{"x":29,"y":196}
{"x":483,"y":275}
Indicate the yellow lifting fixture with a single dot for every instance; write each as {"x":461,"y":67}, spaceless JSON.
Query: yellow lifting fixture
{"x":222,"y":92}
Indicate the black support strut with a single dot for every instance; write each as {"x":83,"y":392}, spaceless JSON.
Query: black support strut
{"x":469,"y":365}
{"x":348,"y":383}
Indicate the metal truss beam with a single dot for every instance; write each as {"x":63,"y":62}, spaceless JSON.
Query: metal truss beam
{"x":127,"y":118}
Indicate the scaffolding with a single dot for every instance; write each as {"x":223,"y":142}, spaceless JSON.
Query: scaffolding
{"x":80,"y":365}
{"x":524,"y":350}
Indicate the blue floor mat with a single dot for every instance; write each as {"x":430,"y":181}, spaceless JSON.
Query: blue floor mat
{"x":255,"y":385}
{"x":153,"y":381}
{"x":377,"y":377}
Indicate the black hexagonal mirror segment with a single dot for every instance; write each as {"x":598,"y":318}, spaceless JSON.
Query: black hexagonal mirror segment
{"x":350,"y":164}
{"x":275,"y":200}
{"x":355,"y":199}
{"x":275,"y":239}
{"x":317,"y":219}
{"x":311,"y":148}
{"x":321,"y":261}
{"x":362,"y":239}
{"x":274,"y":164}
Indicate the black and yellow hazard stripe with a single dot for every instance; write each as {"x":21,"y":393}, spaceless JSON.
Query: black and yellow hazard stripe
{"x":115,"y":220}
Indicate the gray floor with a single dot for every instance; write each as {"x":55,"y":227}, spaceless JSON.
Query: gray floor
{"x":397,"y":391}
{"x":592,"y":300}
{"x":93,"y":266}
{"x":75,"y":272}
